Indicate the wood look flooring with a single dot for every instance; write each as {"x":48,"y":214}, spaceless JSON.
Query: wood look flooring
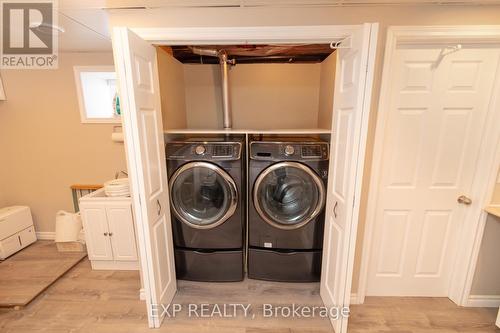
{"x":29,"y":272}
{"x":107,"y":301}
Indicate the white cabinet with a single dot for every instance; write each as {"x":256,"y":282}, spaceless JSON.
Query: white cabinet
{"x":16,"y":230}
{"x":109,"y":231}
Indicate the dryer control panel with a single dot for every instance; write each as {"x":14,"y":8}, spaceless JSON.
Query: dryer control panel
{"x":310,"y":151}
{"x":203,"y":150}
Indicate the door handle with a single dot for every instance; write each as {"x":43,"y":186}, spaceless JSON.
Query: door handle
{"x":335,"y":209}
{"x":105,"y":234}
{"x":464,"y":200}
{"x":110,"y":234}
{"x":158,"y":206}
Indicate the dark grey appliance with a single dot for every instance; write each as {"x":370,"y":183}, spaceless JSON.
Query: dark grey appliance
{"x":287,"y":181}
{"x":207,"y":201}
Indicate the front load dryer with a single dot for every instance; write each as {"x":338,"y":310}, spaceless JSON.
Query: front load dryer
{"x":207,"y":201}
{"x":287,"y":182}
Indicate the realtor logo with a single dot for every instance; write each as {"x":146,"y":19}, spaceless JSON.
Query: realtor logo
{"x":29,"y":35}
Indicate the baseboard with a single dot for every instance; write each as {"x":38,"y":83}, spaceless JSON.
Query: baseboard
{"x":45,"y":235}
{"x":51,"y":235}
{"x":354,"y":298}
{"x":142,"y":294}
{"x":484,"y":301}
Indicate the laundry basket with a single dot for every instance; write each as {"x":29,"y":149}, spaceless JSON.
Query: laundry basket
{"x":77,"y":191}
{"x":68,"y":229}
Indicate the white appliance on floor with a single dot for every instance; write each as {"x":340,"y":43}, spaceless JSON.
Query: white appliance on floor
{"x":16,"y":230}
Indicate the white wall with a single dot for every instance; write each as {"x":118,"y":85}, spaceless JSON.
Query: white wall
{"x":43,"y":145}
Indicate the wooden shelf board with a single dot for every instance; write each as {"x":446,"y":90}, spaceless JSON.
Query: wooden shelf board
{"x":249,"y":131}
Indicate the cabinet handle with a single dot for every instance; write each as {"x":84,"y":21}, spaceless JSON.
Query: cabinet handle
{"x":335,"y":209}
{"x":105,"y":234}
{"x":110,"y":234}
{"x":159,"y":206}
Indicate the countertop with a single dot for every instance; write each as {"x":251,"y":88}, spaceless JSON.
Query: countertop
{"x":493,"y":210}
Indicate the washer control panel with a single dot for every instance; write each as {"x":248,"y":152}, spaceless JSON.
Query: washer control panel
{"x":264,"y":150}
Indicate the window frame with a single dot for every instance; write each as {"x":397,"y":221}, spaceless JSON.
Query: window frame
{"x":79,"y":91}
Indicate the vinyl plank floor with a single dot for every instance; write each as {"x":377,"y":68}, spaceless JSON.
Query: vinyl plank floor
{"x":29,"y":272}
{"x":86,"y":301}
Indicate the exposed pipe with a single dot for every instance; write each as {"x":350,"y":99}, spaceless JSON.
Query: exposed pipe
{"x":224,"y":70}
{"x":226,"y":104}
{"x":205,"y":52}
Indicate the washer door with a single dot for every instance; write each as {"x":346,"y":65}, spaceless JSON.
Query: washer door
{"x":202,"y":195}
{"x":288,"y":195}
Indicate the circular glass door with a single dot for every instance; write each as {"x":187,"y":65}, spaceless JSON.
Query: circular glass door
{"x":202,"y":195}
{"x":288,"y":195}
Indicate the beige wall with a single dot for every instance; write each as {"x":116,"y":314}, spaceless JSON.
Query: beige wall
{"x":326,"y":90}
{"x":487,"y":276}
{"x":44,"y":146}
{"x":266,"y":96}
{"x":259,"y":16}
{"x":173,"y":101}
{"x":495,"y":199}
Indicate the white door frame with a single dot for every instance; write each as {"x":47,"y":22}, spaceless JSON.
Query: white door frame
{"x":263,"y":35}
{"x":470,"y":235}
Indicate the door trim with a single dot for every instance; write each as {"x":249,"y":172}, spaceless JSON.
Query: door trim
{"x":468,"y":235}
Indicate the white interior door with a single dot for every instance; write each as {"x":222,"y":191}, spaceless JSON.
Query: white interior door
{"x":136,"y":65}
{"x":436,"y":119}
{"x":349,"y":130}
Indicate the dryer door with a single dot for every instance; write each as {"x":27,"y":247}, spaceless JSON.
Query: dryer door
{"x":288,"y":195}
{"x":202,"y":195}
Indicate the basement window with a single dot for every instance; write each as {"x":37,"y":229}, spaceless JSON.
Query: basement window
{"x":97,"y":93}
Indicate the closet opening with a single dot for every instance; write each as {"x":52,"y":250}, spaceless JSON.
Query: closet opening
{"x":269,"y":87}
{"x":253,"y":104}
{"x":158,"y":88}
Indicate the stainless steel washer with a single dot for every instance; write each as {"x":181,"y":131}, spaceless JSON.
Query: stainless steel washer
{"x":287,"y":179}
{"x":207,"y":200}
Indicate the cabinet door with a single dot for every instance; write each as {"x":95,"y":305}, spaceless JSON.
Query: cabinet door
{"x":121,"y":233}
{"x":9,"y":246}
{"x":95,"y":225}
{"x":27,"y":236}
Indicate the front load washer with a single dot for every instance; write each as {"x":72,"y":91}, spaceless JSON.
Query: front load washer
{"x":287,"y":181}
{"x":207,"y":202}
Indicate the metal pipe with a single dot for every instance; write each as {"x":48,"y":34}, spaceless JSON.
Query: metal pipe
{"x":224,"y":70}
{"x":226,"y":103}
{"x":205,"y":52}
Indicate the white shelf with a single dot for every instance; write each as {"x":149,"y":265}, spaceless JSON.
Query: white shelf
{"x":250,"y":131}
{"x":493,"y":210}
